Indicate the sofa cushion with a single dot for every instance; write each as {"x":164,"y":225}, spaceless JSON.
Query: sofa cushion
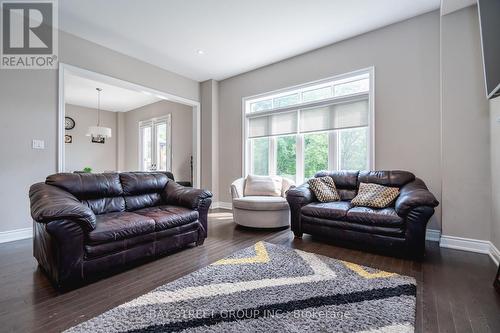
{"x":327,"y":210}
{"x":324,"y":189}
{"x":168,"y":216}
{"x":260,"y":203}
{"x":98,"y":250}
{"x":115,"y":226}
{"x":387,"y":178}
{"x":86,"y":186}
{"x":342,"y":226}
{"x":143,"y":189}
{"x":101,"y":192}
{"x":372,"y":216}
{"x":374,"y":195}
{"x":263,"y":185}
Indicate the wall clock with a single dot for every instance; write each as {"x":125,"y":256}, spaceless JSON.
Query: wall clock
{"x":69,"y":123}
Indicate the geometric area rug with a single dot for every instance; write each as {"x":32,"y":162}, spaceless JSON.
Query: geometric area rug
{"x":270,"y":288}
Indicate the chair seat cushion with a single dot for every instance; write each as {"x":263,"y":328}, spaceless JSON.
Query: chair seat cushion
{"x":168,"y":216}
{"x":120,"y":225}
{"x":377,"y":217}
{"x":260,"y":203}
{"x":336,"y":210}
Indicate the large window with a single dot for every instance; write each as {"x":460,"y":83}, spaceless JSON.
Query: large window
{"x":299,"y":131}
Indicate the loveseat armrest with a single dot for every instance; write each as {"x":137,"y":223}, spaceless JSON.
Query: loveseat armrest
{"x":412,"y":195}
{"x":300,"y":195}
{"x":51,"y":203}
{"x":192,"y":198}
{"x":178,"y":195}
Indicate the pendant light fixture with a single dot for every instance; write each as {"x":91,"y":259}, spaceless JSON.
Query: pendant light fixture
{"x":99,"y":133}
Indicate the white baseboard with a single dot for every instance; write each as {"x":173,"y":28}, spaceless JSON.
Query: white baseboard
{"x":433,"y":235}
{"x":494,"y":254}
{"x":13,"y":235}
{"x":466,"y":244}
{"x":221,"y":204}
{"x":471,"y":245}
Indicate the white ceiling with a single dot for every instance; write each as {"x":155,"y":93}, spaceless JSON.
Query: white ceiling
{"x":82,"y":92}
{"x":450,"y":6}
{"x":235,"y":35}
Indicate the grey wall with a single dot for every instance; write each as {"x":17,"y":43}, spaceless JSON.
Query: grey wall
{"x":82,"y":152}
{"x":466,"y":199}
{"x":407,"y":117}
{"x":209,"y":95}
{"x":495,"y":170}
{"x":182,"y":135}
{"x":28,"y":110}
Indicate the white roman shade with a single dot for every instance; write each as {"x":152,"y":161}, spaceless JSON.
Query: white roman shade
{"x":273,"y":124}
{"x":334,"y":116}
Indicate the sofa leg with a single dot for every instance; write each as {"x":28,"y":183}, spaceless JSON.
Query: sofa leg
{"x":298,"y":234}
{"x":200,"y":242}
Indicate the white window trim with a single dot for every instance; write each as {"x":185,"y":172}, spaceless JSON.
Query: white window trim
{"x":333,"y":163}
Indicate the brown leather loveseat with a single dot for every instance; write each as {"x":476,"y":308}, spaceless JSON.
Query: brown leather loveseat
{"x":87,"y":225}
{"x":398,"y":229}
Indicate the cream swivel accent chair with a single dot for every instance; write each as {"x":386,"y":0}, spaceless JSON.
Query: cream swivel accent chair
{"x":260,"y":201}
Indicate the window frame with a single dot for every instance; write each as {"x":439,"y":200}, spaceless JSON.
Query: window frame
{"x":333,"y":146}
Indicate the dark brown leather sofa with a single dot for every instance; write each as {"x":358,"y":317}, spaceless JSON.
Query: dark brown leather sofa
{"x":89,"y":225}
{"x":398,"y":230}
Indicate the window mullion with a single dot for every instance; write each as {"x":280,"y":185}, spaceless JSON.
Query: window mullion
{"x":249,"y":165}
{"x":299,"y":159}
{"x":333,"y":151}
{"x":272,"y":155}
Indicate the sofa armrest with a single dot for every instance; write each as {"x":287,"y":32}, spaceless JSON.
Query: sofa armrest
{"x":300,"y":195}
{"x":178,"y":195}
{"x":412,"y":195}
{"x":192,"y":198}
{"x":51,"y":203}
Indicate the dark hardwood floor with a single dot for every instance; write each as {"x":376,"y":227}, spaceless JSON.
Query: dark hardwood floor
{"x":455,"y":292}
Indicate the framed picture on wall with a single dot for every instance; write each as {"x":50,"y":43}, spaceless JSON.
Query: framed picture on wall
{"x":98,"y":139}
{"x":68,"y":139}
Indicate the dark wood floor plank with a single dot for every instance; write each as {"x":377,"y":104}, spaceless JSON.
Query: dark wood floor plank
{"x":454,"y":291}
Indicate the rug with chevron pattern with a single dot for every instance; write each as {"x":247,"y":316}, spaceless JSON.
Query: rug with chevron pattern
{"x":270,"y":288}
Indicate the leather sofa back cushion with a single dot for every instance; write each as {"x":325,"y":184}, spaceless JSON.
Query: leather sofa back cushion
{"x":386,"y":178}
{"x":135,"y":202}
{"x":106,"y":205}
{"x":86,"y":186}
{"x":263,"y":186}
{"x":134,"y":183}
{"x":347,"y":180}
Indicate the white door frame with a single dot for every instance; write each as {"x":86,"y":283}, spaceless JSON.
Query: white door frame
{"x":65,"y":68}
{"x":152,"y":122}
